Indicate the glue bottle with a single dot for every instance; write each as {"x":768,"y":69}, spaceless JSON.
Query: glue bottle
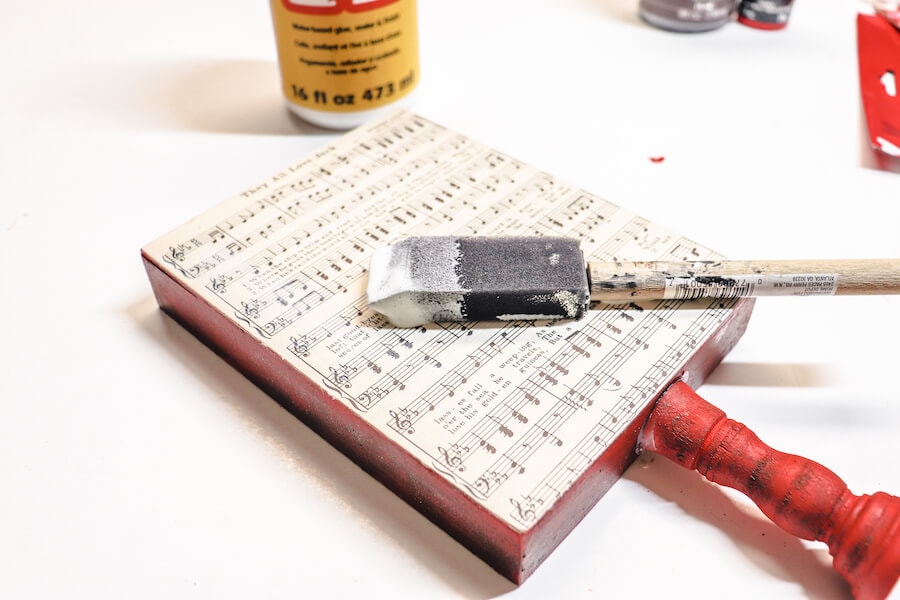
{"x":344,"y":62}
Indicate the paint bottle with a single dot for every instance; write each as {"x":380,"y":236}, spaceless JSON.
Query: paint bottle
{"x":686,"y":16}
{"x":765,"y":14}
{"x":344,"y":62}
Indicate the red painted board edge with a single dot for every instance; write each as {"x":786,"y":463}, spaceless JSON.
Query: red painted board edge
{"x":513,"y":554}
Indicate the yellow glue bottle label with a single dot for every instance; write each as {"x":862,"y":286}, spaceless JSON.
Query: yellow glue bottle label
{"x":339,"y":58}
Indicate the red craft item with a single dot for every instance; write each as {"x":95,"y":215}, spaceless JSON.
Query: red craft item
{"x":878,"y":42}
{"x":800,"y":496}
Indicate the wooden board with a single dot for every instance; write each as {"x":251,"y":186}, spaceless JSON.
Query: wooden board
{"x":503,"y":434}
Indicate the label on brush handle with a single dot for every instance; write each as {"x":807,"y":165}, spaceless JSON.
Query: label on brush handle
{"x":741,"y":286}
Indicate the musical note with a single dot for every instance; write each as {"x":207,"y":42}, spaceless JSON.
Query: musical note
{"x":530,"y":398}
{"x":548,"y":377}
{"x":578,"y":399}
{"x":550,"y":436}
{"x":487,"y":446}
{"x":283,"y":294}
{"x":501,"y":427}
{"x":579,"y":350}
{"x":559,"y":367}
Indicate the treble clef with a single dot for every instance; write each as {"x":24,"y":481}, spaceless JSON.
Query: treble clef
{"x":340,"y":377}
{"x":526,"y":512}
{"x":453,"y":461}
{"x":177,"y":253}
{"x":251,"y":311}
{"x":402,"y":422}
{"x":217,"y":284}
{"x":299,"y":346}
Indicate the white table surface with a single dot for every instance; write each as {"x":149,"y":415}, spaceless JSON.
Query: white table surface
{"x":134,"y":463}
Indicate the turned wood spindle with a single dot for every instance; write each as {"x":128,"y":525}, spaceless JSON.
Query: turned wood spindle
{"x":799,"y":495}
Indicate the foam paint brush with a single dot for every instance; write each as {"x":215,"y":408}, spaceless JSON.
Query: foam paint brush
{"x":445,"y":278}
{"x":459,"y":278}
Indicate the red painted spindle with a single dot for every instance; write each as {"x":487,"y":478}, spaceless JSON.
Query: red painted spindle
{"x":799,"y":495}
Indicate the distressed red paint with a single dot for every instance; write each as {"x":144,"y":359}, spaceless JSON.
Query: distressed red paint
{"x":799,"y":495}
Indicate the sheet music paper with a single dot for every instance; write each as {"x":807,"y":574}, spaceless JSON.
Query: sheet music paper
{"x":509,"y":412}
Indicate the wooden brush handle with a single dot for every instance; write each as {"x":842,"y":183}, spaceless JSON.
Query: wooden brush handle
{"x":800,"y":496}
{"x":652,"y":280}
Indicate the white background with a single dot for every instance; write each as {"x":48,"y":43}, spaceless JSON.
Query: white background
{"x":134,"y":463}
